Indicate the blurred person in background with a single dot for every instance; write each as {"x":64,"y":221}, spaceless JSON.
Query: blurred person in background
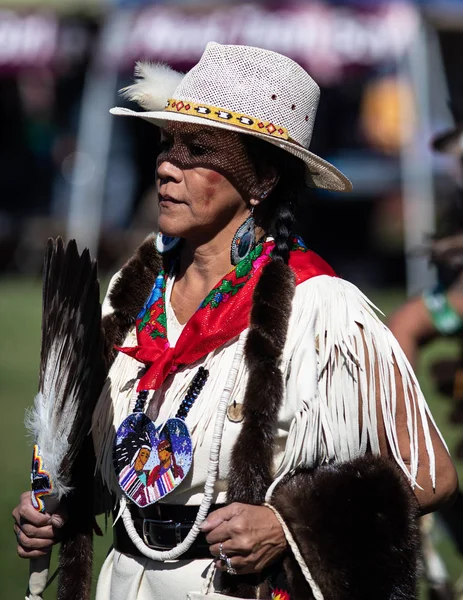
{"x":285,"y":396}
{"x":438,"y":312}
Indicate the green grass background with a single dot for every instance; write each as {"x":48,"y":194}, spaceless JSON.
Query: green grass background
{"x":20,"y":313}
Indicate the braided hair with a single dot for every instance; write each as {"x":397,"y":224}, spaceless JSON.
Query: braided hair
{"x":276,"y":214}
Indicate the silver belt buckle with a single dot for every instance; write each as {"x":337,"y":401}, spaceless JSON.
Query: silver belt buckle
{"x":168,"y":525}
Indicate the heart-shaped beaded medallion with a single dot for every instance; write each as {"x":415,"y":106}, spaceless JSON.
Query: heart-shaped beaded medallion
{"x":150,"y":462}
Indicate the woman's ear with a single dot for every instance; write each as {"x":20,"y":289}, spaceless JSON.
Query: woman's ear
{"x":265,"y":186}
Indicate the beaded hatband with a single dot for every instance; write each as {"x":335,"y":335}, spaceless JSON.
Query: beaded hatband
{"x":223,"y":115}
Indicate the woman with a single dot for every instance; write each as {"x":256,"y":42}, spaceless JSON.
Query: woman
{"x":289,"y":384}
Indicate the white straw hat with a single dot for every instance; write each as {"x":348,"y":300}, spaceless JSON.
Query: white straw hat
{"x":244,"y":89}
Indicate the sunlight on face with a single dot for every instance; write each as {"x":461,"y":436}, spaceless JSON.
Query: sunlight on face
{"x":200,"y":171}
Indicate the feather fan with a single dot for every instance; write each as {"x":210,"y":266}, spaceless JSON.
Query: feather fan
{"x":155,"y":84}
{"x":72,"y":373}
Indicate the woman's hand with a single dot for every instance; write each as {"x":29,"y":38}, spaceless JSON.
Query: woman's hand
{"x":35,"y":532}
{"x":251,"y":537}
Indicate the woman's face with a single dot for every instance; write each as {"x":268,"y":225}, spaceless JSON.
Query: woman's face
{"x":200,"y":172}
{"x":164,"y":455}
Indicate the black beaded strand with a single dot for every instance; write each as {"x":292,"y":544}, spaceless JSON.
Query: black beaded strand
{"x":192,"y":393}
{"x":140,"y":401}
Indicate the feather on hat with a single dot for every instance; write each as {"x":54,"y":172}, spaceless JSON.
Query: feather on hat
{"x":155,"y":84}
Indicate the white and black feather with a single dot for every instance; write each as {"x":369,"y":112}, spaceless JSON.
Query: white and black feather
{"x":72,"y":370}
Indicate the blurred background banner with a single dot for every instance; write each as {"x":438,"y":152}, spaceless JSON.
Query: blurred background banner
{"x":27,"y":40}
{"x":326,"y":40}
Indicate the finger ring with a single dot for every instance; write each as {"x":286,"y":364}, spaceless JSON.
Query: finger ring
{"x":223,"y":557}
{"x":230,"y":569}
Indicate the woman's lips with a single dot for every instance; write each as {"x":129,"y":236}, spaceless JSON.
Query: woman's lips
{"x":168,"y":199}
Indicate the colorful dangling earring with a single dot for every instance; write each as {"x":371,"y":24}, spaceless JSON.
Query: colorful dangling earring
{"x":164,"y":243}
{"x":243,"y":240}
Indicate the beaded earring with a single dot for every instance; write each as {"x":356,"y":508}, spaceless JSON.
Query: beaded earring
{"x":164,"y":243}
{"x":243,"y":240}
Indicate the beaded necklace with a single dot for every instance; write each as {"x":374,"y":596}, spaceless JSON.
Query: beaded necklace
{"x":212,"y":469}
{"x":143,"y":477}
{"x":191,"y":395}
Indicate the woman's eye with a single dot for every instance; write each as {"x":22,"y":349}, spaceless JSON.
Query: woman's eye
{"x":197,"y":150}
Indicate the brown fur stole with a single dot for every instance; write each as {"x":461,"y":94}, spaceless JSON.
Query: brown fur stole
{"x":354,"y":522}
{"x":355,"y":525}
{"x":252,"y":456}
{"x":129,"y":294}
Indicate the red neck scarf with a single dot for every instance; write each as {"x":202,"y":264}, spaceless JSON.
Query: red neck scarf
{"x":222,"y":315}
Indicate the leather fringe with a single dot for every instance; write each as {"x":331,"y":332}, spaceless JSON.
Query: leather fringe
{"x":355,"y":522}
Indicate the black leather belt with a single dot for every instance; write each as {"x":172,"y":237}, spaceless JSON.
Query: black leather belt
{"x":162,"y":527}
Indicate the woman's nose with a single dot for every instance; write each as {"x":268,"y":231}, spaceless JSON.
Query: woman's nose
{"x":168,"y":171}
